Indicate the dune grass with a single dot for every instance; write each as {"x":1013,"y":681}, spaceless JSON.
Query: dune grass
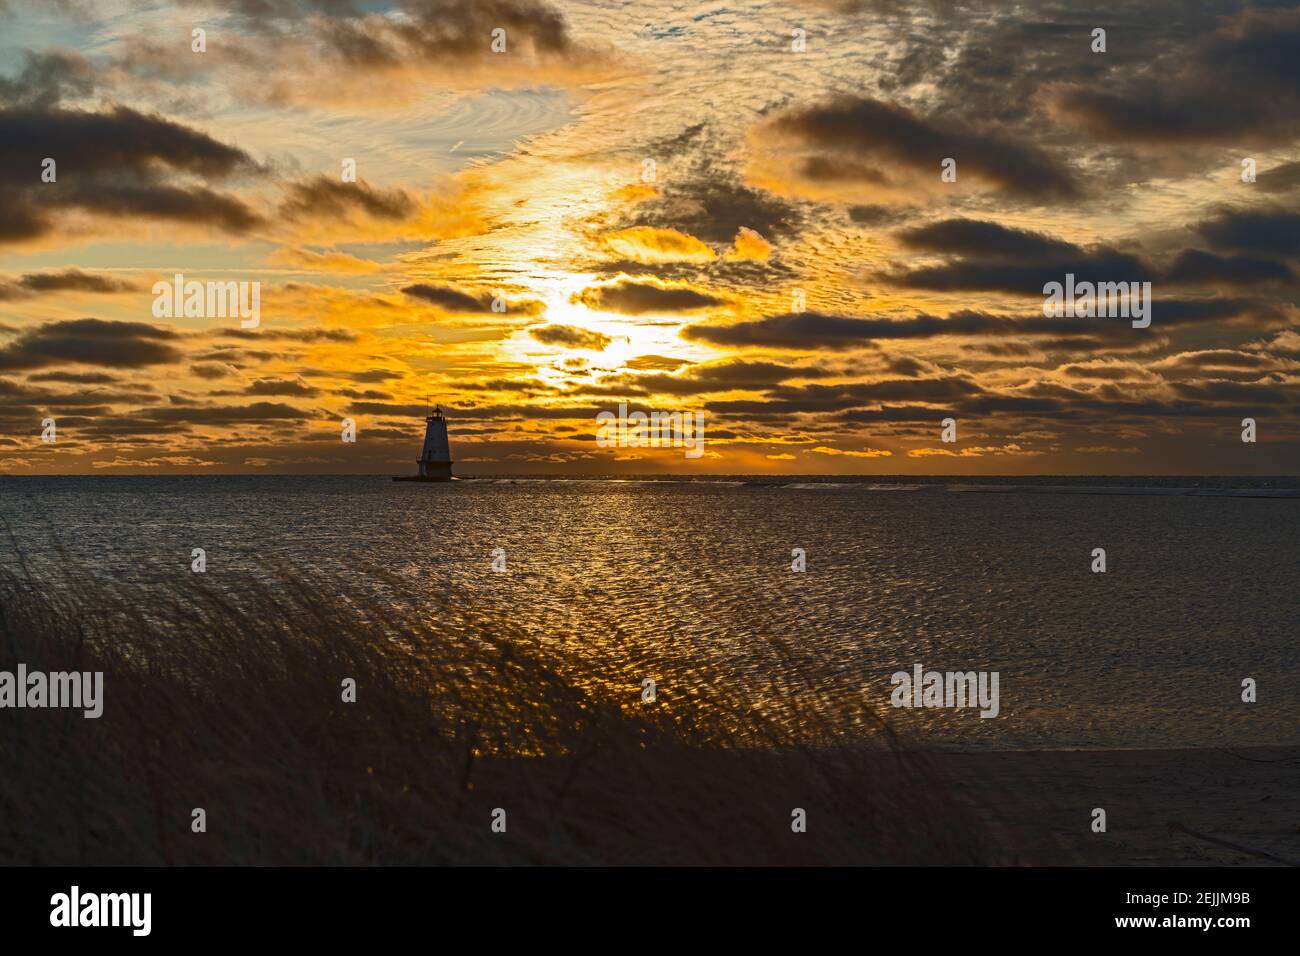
{"x":229,"y":699}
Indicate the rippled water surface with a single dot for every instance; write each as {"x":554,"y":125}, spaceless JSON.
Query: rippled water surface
{"x":691,"y":583}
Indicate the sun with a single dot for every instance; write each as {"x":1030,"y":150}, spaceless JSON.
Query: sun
{"x":629,"y":337}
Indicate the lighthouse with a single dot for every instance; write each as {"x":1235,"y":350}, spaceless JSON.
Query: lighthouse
{"x":435,"y":457}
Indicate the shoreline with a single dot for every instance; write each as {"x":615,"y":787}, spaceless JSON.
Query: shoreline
{"x":1247,"y":796}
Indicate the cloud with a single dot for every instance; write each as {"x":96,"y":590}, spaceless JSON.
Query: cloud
{"x":570,"y":336}
{"x":117,"y":164}
{"x":650,"y":245}
{"x":750,"y":246}
{"x":456,"y":302}
{"x":449,"y":299}
{"x":212,"y":372}
{"x":972,"y":451}
{"x":313,"y":261}
{"x":716,"y":377}
{"x":279,"y":386}
{"x":227,"y":414}
{"x":1280,"y":179}
{"x":907,"y":148}
{"x":74,"y":378}
{"x":120,"y":140}
{"x":1275,"y":231}
{"x":1197,"y":97}
{"x":321,"y":197}
{"x":47,"y":78}
{"x":705,"y":198}
{"x":91,"y":342}
{"x":1025,"y":278}
{"x":69,"y":280}
{"x":632,"y":297}
{"x":989,"y":239}
{"x":1217,"y":360}
{"x":990,"y":257}
{"x":1104,"y":370}
{"x":995,"y":258}
{"x":851,"y":452}
{"x":658,"y":363}
{"x":288,"y":335}
{"x":281,"y":52}
{"x":1195,"y":267}
{"x":814,"y":330}
{"x":873,"y":215}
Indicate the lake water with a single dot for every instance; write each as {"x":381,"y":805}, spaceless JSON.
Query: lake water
{"x":690,"y":583}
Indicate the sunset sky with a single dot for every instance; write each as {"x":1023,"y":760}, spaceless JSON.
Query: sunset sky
{"x":676,"y":207}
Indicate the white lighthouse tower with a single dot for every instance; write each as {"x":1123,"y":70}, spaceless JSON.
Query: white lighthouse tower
{"x":435,"y":457}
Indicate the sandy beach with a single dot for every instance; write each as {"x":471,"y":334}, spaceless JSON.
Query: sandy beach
{"x":1041,"y":803}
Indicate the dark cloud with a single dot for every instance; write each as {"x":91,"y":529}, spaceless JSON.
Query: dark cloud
{"x":476,"y":413}
{"x":46,"y":79}
{"x":23,"y":398}
{"x":117,"y":164}
{"x":992,"y":73}
{"x":278,"y":386}
{"x":990,"y":257}
{"x":309,"y":336}
{"x":1194,"y":267}
{"x":717,"y":377}
{"x":372,"y":375}
{"x":91,"y":342}
{"x":237,"y":357}
{"x":944,"y":390}
{"x":121,"y":140}
{"x":1220,"y":309}
{"x":999,"y":274}
{"x":74,"y":378}
{"x":226,"y":414}
{"x":523,"y":386}
{"x":874,"y":215}
{"x":706,"y":198}
{"x":812,"y":330}
{"x":976,"y":237}
{"x":321,"y":197}
{"x":212,"y":372}
{"x":657,"y":363}
{"x":854,"y":127}
{"x":449,"y":299}
{"x":69,"y":280}
{"x":193,"y":204}
{"x":630,"y":297}
{"x":1270,"y":231}
{"x":461,"y":303}
{"x":570,"y":336}
{"x":839,"y":170}
{"x":1280,"y":179}
{"x":431,"y":30}
{"x":1241,"y":82}
{"x":907,"y":365}
{"x":1246,"y":394}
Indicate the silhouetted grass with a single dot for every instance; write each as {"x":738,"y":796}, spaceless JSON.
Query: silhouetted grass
{"x":229,"y":699}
